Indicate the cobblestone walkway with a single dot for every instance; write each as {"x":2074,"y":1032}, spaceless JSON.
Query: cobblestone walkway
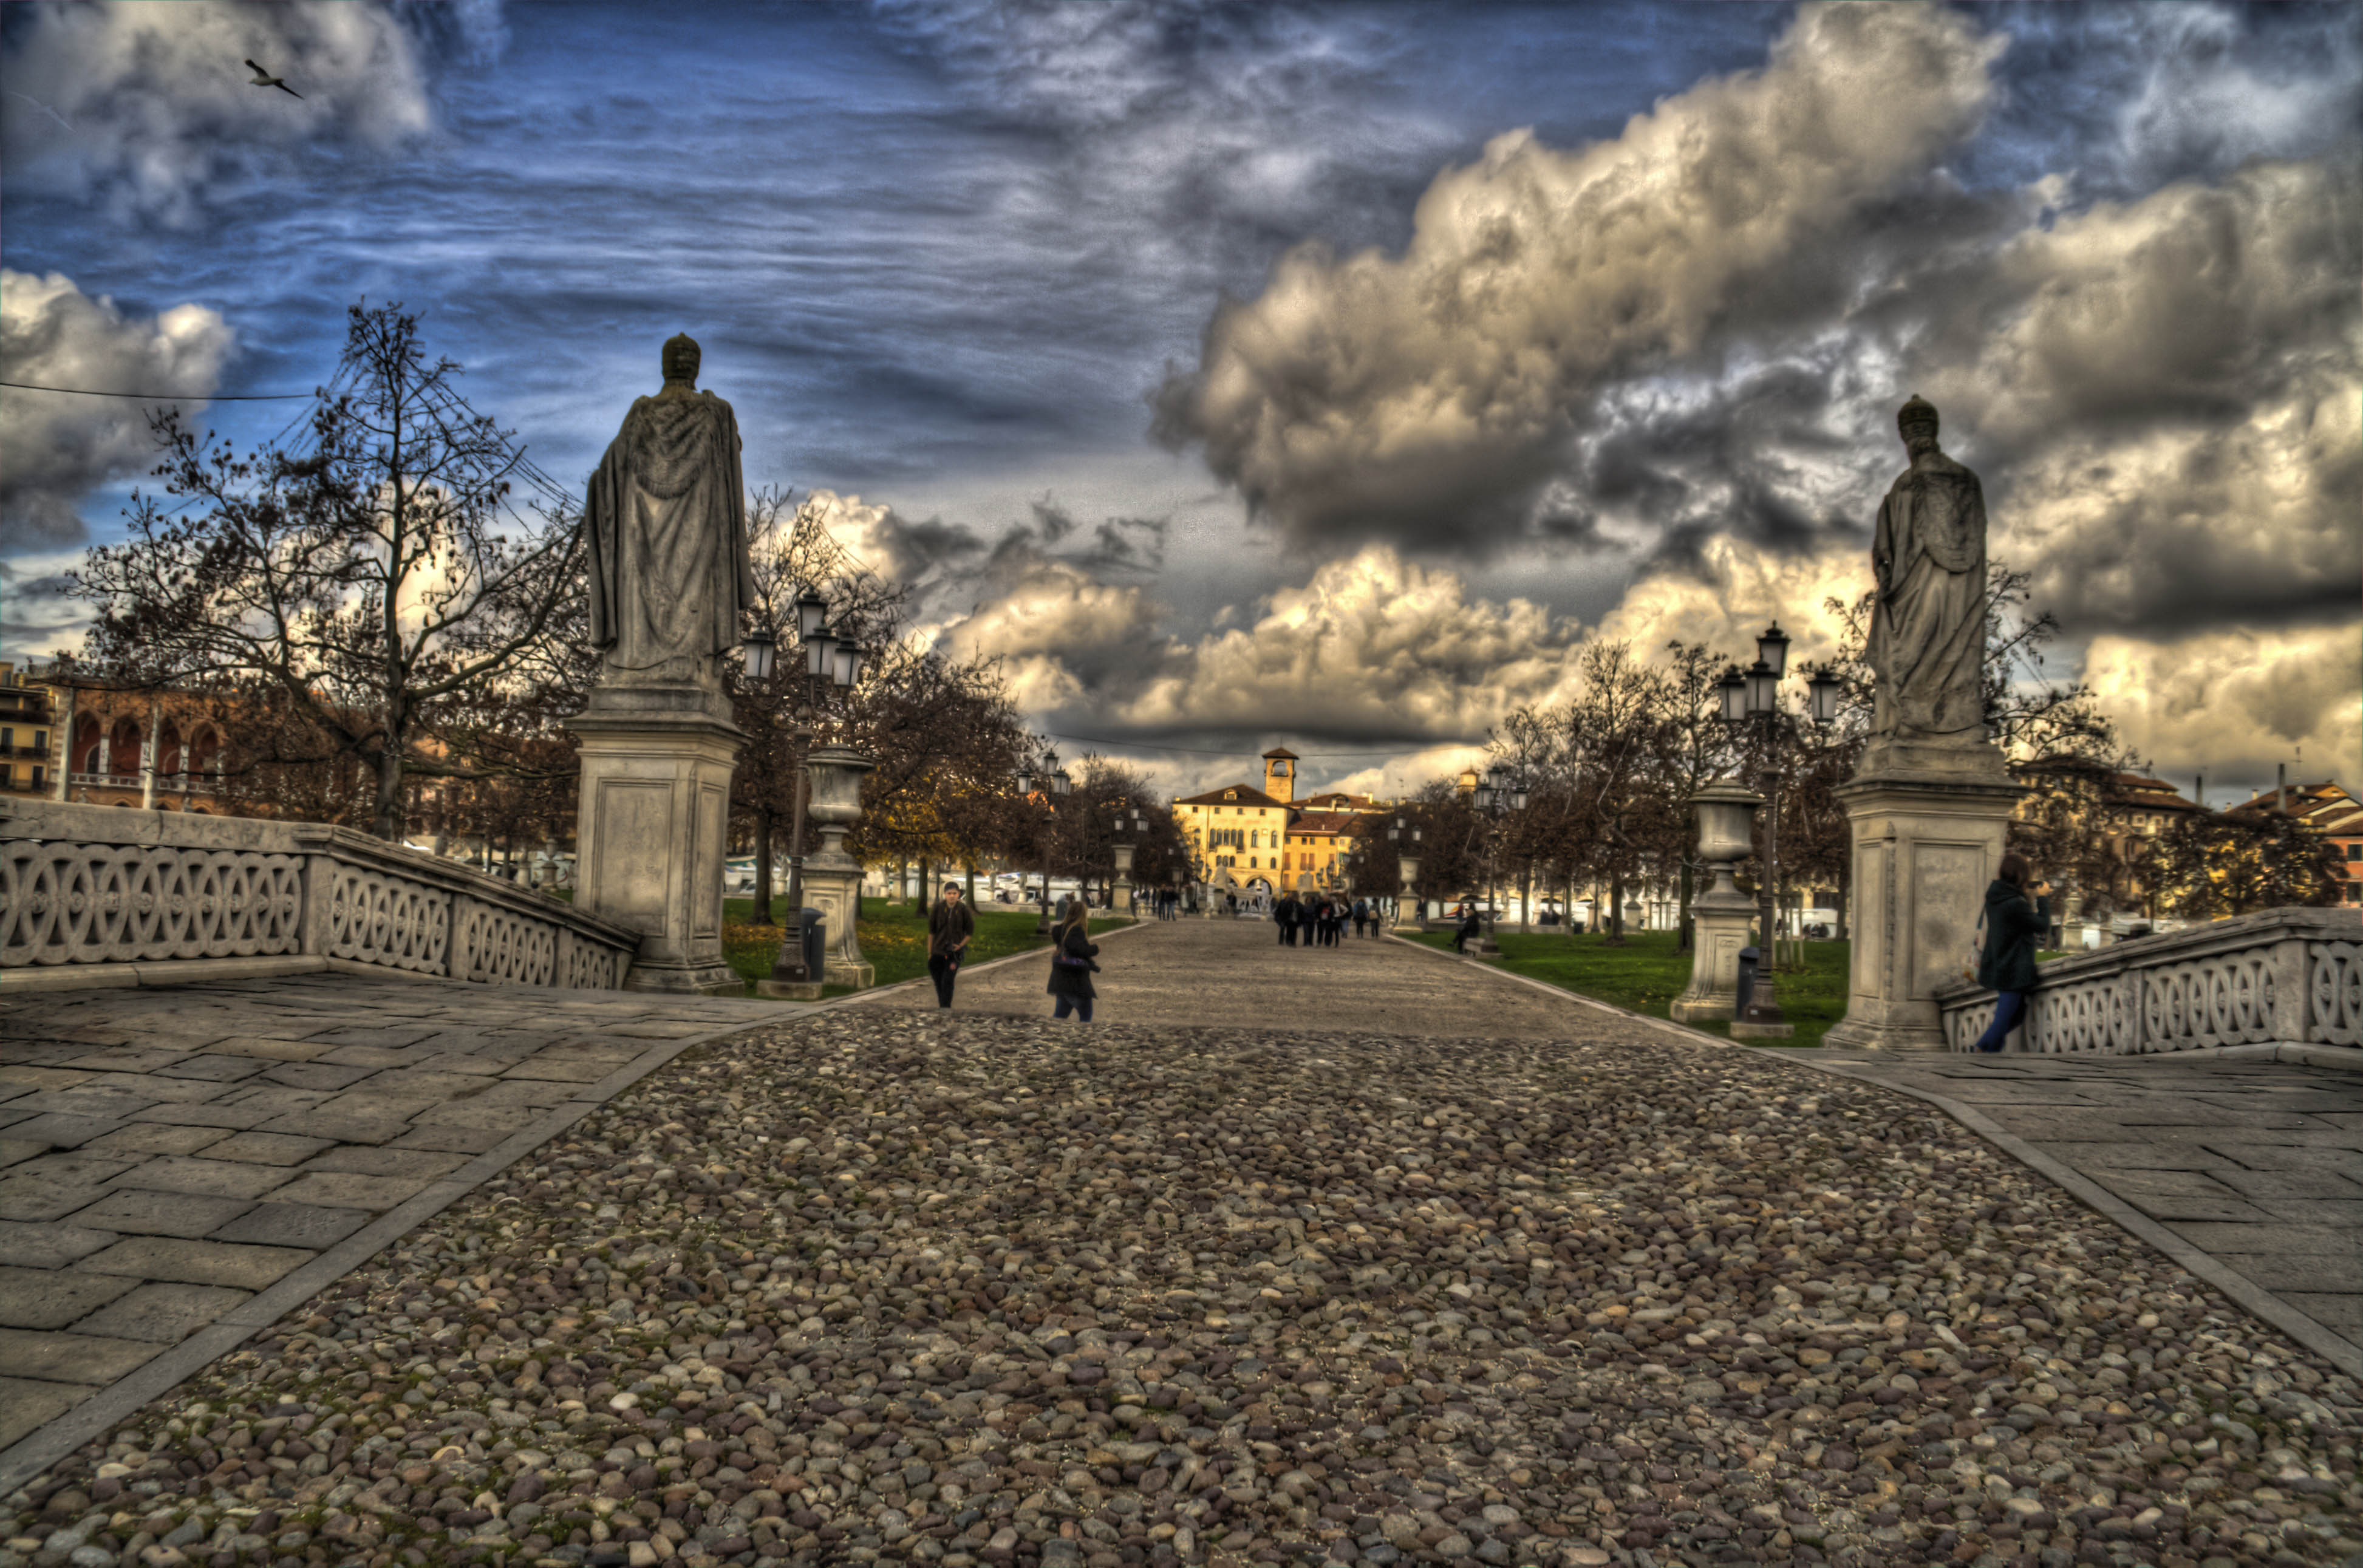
{"x":1342,"y":1255}
{"x":167,"y":1154}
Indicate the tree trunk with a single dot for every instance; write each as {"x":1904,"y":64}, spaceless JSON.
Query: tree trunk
{"x":1616,"y":909}
{"x":386,"y":819}
{"x":1846,"y":880}
{"x":969,"y":867}
{"x":762,"y":866}
{"x":1686,"y":943}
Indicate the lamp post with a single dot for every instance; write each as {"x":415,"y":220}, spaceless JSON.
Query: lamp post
{"x":1498,"y":794}
{"x":1405,"y":835}
{"x":1755,"y":695}
{"x":830,"y":661}
{"x":1053,"y":781}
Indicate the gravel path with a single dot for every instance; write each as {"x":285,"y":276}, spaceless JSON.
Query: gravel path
{"x":880,"y":1285}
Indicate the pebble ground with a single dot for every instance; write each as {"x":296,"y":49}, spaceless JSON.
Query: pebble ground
{"x":882,"y":1287}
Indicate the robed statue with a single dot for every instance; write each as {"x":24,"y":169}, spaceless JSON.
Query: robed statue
{"x":666,"y":516}
{"x":1928,"y":622}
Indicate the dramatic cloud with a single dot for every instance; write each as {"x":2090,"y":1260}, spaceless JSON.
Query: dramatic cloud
{"x":2232,"y":704}
{"x":149,"y":109}
{"x":56,"y":448}
{"x":2171,"y":389}
{"x":1429,"y":397}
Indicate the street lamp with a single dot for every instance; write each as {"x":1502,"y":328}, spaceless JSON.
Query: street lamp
{"x":1053,"y":781}
{"x":1129,"y":827}
{"x":1755,"y":695}
{"x":831,"y":660}
{"x":1405,"y":835}
{"x":1499,"y":794}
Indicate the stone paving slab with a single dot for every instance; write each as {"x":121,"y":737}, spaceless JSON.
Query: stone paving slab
{"x":171,"y":1152}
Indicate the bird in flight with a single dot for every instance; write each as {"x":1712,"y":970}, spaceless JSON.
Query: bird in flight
{"x":42,"y":107}
{"x":264,"y":79}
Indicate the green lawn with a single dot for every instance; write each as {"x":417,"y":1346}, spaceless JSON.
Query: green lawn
{"x":893,"y":937}
{"x":1646,"y":973}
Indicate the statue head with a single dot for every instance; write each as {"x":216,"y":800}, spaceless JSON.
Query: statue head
{"x":1917,"y":421}
{"x":681,"y":358}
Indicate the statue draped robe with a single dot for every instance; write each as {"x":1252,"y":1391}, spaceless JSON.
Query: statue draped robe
{"x":1927,"y":628}
{"x":667,"y":514}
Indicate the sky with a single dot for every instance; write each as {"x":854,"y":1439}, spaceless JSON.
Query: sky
{"x":1320,"y":376}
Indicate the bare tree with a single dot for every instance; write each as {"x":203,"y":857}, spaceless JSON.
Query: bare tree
{"x":370,"y":580}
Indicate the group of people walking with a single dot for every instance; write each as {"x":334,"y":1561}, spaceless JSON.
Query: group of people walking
{"x":1320,"y":920}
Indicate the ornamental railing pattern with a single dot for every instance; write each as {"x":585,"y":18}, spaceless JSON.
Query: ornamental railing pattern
{"x":87,"y":885}
{"x":2292,"y":976}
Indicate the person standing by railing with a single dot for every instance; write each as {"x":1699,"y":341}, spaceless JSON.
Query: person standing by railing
{"x":2015,"y":923}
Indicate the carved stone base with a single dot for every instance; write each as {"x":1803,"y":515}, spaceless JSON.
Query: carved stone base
{"x":835,"y":892}
{"x":1924,"y":849}
{"x":788,"y":990}
{"x":650,"y":825}
{"x":1722,"y":920}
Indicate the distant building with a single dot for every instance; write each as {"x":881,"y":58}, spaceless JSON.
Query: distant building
{"x":27,"y":760}
{"x":2329,"y":811}
{"x":73,"y":739}
{"x":1265,"y":839}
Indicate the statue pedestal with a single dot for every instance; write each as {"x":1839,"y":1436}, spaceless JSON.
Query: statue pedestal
{"x":1720,"y":918}
{"x":651,"y":822}
{"x":1926,"y":846}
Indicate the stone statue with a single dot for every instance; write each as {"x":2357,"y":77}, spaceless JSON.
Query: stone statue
{"x":667,"y":514}
{"x":1928,"y":624}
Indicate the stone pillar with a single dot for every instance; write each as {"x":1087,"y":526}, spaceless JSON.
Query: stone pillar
{"x":1926,"y":843}
{"x":650,"y":825}
{"x":832,"y":879}
{"x":1720,"y":915}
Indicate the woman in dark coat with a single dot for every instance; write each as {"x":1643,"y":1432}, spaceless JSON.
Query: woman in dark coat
{"x":1072,"y":967}
{"x":2015,"y":924}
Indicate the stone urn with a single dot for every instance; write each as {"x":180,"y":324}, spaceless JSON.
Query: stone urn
{"x":1720,"y":916}
{"x":832,"y":878}
{"x":1408,"y":908}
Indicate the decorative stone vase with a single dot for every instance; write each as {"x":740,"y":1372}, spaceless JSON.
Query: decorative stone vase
{"x":1722,"y":915}
{"x":832,"y":879}
{"x":1408,"y":909}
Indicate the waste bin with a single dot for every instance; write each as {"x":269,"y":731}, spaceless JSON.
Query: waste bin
{"x":816,"y":943}
{"x":1746,"y":991}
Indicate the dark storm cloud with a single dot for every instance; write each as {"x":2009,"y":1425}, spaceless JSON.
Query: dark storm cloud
{"x":1428,"y":398}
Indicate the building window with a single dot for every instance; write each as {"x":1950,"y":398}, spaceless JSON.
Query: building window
{"x":2354,"y":852}
{"x":37,"y":776}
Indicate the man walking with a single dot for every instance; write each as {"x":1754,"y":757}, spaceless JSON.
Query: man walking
{"x":950,"y":925}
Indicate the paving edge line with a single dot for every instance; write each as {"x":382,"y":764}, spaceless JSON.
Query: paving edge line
{"x":94,"y":1417}
{"x":2252,"y":1297}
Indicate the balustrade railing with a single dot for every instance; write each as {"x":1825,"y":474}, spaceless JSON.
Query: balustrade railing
{"x":2283,"y":977}
{"x":89,"y":884}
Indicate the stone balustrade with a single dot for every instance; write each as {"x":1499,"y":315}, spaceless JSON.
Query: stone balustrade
{"x":91,"y":886}
{"x":2284,"y":976}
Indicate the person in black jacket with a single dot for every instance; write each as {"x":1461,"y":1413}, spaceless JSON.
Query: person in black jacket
{"x":2015,"y":924}
{"x":1070,"y":965}
{"x":950,"y":927}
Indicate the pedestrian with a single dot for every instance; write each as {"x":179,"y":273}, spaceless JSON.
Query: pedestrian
{"x":2014,"y":923}
{"x":951,"y":925}
{"x":1283,"y":915}
{"x":1071,"y":952}
{"x":1362,"y":917}
{"x":1466,"y":928}
{"x":1231,"y":904}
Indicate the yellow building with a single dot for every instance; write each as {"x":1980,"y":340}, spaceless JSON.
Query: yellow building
{"x":1247,"y":836}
